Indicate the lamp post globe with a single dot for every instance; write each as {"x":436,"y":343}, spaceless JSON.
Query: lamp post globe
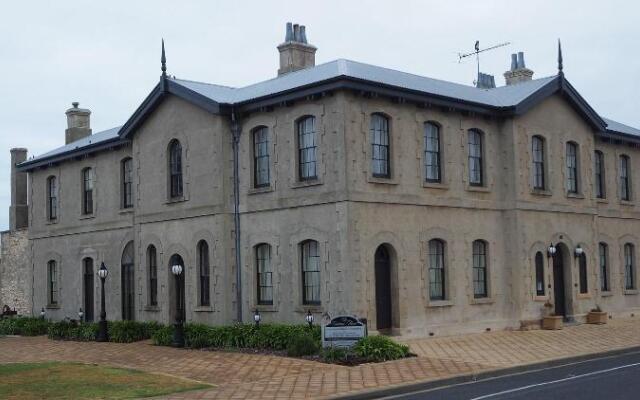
{"x":80,"y":315}
{"x":579,"y":251}
{"x":178,"y":332}
{"x":42,"y":313}
{"x":551,"y":251}
{"x":257,"y":317}
{"x":309,"y":318}
{"x":103,"y":334}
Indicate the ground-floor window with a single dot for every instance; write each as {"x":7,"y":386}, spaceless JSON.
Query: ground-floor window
{"x":582,"y":273}
{"x":540,"y":289}
{"x":436,"y":270}
{"x":310,"y":254}
{"x":604,"y":266}
{"x":629,"y":267}
{"x":479,"y":269}
{"x":52,"y":272}
{"x":265,"y":280}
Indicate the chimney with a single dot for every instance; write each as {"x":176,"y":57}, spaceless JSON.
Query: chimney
{"x":18,"y":216}
{"x":518,"y":72}
{"x":485,"y":81}
{"x":78,"y":124}
{"x":295,"y":52}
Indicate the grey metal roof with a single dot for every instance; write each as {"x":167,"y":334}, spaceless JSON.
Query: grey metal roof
{"x":618,"y":127}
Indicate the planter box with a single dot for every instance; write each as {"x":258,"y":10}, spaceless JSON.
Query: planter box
{"x":597,"y":317}
{"x":552,"y":322}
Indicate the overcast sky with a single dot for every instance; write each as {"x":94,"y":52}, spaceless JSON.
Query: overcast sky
{"x":107,"y":55}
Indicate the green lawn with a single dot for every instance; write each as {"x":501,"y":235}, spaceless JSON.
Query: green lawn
{"x":55,"y":380}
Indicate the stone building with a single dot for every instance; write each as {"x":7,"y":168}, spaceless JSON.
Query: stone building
{"x":422,"y":205}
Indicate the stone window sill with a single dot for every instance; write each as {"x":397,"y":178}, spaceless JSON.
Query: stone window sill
{"x":435,"y":185}
{"x":606,"y":294}
{"x":51,"y":221}
{"x":472,"y":188}
{"x":626,"y":203}
{"x":440,"y":303}
{"x":266,"y":308}
{"x":203,"y":309}
{"x":303,"y":184}
{"x":575,"y":196}
{"x":87,"y":216}
{"x":541,"y":192}
{"x":584,"y":295}
{"x":53,"y":306}
{"x":602,"y":201}
{"x":258,"y":190}
{"x":176,"y":200}
{"x":482,"y":300}
{"x":630,"y":291}
{"x":128,"y":210}
{"x":381,"y":180}
{"x":152,"y":308}
{"x":315,"y":309}
{"x":540,"y":298}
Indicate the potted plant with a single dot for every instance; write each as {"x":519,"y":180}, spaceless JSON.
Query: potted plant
{"x":551,"y":321}
{"x":597,"y":316}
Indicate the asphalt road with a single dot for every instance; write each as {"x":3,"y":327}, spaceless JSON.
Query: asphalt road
{"x":610,"y":378}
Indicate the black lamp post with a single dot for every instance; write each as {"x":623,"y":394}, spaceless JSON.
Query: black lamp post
{"x":178,"y":332}
{"x":103,"y":334}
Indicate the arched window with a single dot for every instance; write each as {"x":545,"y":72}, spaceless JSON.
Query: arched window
{"x":310,"y":260}
{"x":261,"y":157}
{"x":175,"y":169}
{"x":127,"y":182}
{"x":629,"y":267}
{"x":380,"y":146}
{"x":537,"y":151}
{"x":306,"y":149}
{"x":127,"y":281}
{"x":572,"y":167}
{"x":52,"y":278}
{"x":52,"y":198}
{"x":476,"y":173}
{"x":87,"y":191}
{"x":600,"y":175}
{"x":582,"y":273}
{"x":203,"y":268}
{"x":539,"y":261}
{"x":152,"y":264}
{"x":479,"y":269}
{"x":264,"y":271}
{"x":625,"y":181}
{"x":603,"y":251}
{"x":432,"y":153}
{"x":436,"y":270}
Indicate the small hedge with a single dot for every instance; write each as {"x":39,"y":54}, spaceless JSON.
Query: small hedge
{"x":380,"y":348}
{"x":119,"y":331}
{"x":66,"y":330}
{"x":25,"y":326}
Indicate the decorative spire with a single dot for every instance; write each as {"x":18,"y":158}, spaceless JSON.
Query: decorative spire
{"x":559,"y":58}
{"x":163,"y":61}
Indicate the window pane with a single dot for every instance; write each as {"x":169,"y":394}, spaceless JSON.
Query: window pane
{"x":625,"y":187}
{"x":175,"y":169}
{"x":432,"y":152}
{"x":604,"y":267}
{"x":261,"y":157}
{"x":310,"y":272}
{"x":599,"y":178}
{"x":479,"y":269}
{"x":203,"y":267}
{"x":582,"y":271}
{"x":540,"y":289}
{"x":538,"y":162}
{"x":572,"y":168}
{"x":306,"y":149}
{"x":436,"y":270}
{"x":153,"y":276}
{"x":380,"y":146}
{"x":475,"y":158}
{"x":629,"y":267}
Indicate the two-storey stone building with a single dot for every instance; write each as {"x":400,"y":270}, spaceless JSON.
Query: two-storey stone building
{"x":422,"y":205}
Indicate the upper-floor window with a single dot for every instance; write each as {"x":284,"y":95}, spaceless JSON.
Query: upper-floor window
{"x":603,"y":253}
{"x":539,"y":261}
{"x":582,"y":273}
{"x":175,"y":169}
{"x":310,"y":259}
{"x":537,"y":151}
{"x":629,"y":267}
{"x":261,"y":157}
{"x":436,"y":270}
{"x":52,"y":276}
{"x":480,"y":269}
{"x":203,"y":268}
{"x":87,"y":191}
{"x":127,"y":183}
{"x":625,"y":181}
{"x":52,"y":198}
{"x":572,"y":167}
{"x":476,"y":173}
{"x":380,"y":148}
{"x":307,"y":164}
{"x":600,"y":175}
{"x":432,"y":159}
{"x":264,"y":274}
{"x":152,"y":263}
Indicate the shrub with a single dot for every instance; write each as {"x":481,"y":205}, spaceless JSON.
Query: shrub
{"x":336,"y":354}
{"x":303,"y":345}
{"x":26,"y":326}
{"x":162,"y":336}
{"x":131,"y":331}
{"x":380,"y":348}
{"x":66,"y":330}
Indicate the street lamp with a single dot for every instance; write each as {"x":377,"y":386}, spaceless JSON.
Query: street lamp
{"x":103,"y":334}
{"x":80,"y":315}
{"x":256,"y":317}
{"x":578,"y":251}
{"x":309,"y":318}
{"x":178,"y":332}
{"x":42,"y":313}
{"x":551,"y":251}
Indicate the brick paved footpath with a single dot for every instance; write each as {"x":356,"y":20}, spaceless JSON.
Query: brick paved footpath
{"x":248,"y":376}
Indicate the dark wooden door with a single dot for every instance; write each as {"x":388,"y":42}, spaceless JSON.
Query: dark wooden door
{"x":383,"y":288}
{"x":88,"y":290}
{"x":558,"y":282}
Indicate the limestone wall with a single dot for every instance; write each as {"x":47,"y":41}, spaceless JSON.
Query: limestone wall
{"x":15,"y":272}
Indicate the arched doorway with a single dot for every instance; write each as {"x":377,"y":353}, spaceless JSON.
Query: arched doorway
{"x":128,"y":283}
{"x":383,"y":288}
{"x":87,"y":274}
{"x":174,"y":290}
{"x":562,"y":281}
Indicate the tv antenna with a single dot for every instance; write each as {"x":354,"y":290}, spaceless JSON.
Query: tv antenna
{"x":477,"y":52}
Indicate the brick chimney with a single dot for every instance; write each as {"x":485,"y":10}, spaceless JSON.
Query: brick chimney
{"x":295,"y":52}
{"x":518,"y":72}
{"x":18,"y":213}
{"x":78,"y":123}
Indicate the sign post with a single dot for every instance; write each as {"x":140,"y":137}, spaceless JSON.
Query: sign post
{"x":343,"y":331}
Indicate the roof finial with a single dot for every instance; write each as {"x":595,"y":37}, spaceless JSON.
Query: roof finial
{"x":163,"y":61}
{"x":559,"y":58}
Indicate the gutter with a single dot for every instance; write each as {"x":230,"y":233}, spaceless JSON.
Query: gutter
{"x":235,"y":131}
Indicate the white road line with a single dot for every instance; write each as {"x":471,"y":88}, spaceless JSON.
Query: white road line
{"x":488,"y":396}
